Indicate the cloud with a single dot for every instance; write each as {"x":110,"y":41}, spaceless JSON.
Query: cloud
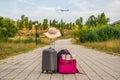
{"x":38,"y":9}
{"x":43,"y":8}
{"x":26,"y":2}
{"x":94,"y":7}
{"x":82,"y":5}
{"x":42,"y":12}
{"x":113,"y":10}
{"x":30,"y":9}
{"x":114,"y":5}
{"x":73,"y":15}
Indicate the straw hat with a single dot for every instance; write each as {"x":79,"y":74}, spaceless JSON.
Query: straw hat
{"x":53,"y":33}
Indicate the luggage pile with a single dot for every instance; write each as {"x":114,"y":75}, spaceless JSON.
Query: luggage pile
{"x":57,"y":62}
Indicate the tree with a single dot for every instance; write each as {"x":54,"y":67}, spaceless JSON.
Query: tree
{"x":70,"y":25}
{"x":97,"y":21}
{"x":1,"y":19}
{"x":23,"y":22}
{"x":50,"y":23}
{"x":45,"y":24}
{"x":20,"y":23}
{"x":79,"y":22}
{"x":62,"y":24}
{"x":26,"y":22}
{"x":7,"y":28}
{"x":54,"y":23}
{"x":102,"y":19}
{"x":30,"y":24}
{"x":92,"y":21}
{"x":23,"y":17}
{"x":40,"y":26}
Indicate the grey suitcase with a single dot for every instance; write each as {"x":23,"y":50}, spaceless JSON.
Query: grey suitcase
{"x":49,"y":60}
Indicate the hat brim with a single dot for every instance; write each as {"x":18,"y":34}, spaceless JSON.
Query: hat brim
{"x":57,"y":34}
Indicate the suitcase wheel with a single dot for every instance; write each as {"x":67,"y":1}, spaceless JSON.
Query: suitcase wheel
{"x":42,"y":71}
{"x":47,"y":71}
{"x":51,"y":72}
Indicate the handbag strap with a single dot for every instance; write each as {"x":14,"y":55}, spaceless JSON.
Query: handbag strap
{"x":70,"y":59}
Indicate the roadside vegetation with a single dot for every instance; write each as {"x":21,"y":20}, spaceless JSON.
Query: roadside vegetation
{"x":17,"y":37}
{"x":111,"y":46}
{"x":100,"y":35}
{"x":12,"y":49}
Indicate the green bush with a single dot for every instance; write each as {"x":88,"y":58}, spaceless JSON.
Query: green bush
{"x":90,"y":36}
{"x":79,"y":35}
{"x":7,"y":28}
{"x":117,"y":26}
{"x":107,"y":33}
{"x":98,"y":34}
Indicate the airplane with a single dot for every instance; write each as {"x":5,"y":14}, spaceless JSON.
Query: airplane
{"x":62,"y":10}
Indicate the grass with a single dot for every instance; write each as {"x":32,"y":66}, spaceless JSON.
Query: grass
{"x":17,"y":46}
{"x":12,"y":49}
{"x":111,"y":46}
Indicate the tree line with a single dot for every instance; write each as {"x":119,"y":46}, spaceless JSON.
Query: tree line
{"x":9,"y":27}
{"x":24,"y":22}
{"x":91,"y":22}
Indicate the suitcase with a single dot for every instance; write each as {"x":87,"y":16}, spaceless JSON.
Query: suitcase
{"x":49,"y":60}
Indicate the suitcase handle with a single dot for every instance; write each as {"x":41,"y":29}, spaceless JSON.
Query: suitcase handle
{"x":52,"y":42}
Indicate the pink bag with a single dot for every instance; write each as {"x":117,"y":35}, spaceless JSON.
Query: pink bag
{"x":67,"y":66}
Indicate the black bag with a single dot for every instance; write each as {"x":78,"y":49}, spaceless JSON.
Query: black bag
{"x":63,"y":51}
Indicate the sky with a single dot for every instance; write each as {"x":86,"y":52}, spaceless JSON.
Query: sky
{"x":50,"y":9}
